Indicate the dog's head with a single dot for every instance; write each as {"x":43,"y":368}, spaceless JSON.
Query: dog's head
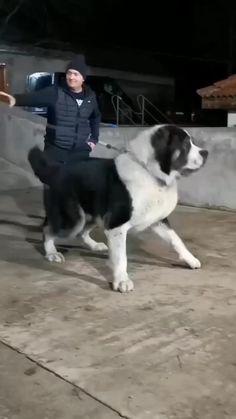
{"x":170,"y":152}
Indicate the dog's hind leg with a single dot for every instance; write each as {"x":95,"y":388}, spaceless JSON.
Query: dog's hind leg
{"x":89,"y":242}
{"x":51,"y":253}
{"x":118,"y":258}
{"x":164,"y":230}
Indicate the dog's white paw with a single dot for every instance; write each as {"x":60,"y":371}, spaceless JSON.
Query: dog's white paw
{"x":100,"y":247}
{"x":123,"y":286}
{"x":192,"y":262}
{"x":55,"y":257}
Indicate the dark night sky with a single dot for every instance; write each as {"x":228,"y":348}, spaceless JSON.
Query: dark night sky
{"x":198,"y":28}
{"x":189,"y":39}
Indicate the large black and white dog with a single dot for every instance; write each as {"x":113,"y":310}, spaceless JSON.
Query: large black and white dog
{"x":135,"y":190}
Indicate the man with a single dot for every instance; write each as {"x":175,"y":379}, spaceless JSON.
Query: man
{"x":73,"y":116}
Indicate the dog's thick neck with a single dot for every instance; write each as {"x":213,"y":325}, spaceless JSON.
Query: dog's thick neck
{"x":141,"y":150}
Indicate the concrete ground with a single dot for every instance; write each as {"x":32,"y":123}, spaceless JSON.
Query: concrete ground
{"x":71,"y":348}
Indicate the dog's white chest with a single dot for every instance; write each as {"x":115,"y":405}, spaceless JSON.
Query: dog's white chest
{"x":151,"y":201}
{"x":151,"y":204}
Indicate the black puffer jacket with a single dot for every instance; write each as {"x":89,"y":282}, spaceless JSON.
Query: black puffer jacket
{"x":70,"y":126}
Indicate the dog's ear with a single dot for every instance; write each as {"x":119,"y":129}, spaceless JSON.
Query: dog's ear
{"x":161,"y":144}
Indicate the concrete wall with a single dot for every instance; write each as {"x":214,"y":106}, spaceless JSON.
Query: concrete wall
{"x":231,"y":119}
{"x":215,"y":184}
{"x":212,"y":186}
{"x":19,"y":132}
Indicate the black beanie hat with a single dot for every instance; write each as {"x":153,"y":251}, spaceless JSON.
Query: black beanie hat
{"x":78,"y":63}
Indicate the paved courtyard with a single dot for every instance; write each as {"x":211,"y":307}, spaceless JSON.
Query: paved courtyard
{"x":70,"y":348}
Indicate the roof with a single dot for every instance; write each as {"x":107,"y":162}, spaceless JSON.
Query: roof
{"x":220,"y":89}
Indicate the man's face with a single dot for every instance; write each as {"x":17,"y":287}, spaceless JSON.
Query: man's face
{"x":74,"y":79}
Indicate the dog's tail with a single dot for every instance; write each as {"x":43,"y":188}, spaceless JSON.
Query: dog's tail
{"x":42,"y":168}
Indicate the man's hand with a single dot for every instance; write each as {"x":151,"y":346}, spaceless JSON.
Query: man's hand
{"x":91,"y":145}
{"x":11,"y":99}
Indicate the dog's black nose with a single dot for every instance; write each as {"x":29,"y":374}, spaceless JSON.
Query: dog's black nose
{"x":204,"y":154}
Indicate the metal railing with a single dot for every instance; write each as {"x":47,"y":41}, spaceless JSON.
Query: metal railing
{"x":143,"y":101}
{"x":122,"y":109}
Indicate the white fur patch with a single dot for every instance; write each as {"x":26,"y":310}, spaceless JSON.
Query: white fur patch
{"x":195,"y":160}
{"x":170,"y":236}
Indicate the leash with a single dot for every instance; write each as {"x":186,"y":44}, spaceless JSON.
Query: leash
{"x":112,"y":147}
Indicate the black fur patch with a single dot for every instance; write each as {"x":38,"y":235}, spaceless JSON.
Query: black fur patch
{"x":166,"y":141}
{"x":92,"y":184}
{"x":166,"y":222}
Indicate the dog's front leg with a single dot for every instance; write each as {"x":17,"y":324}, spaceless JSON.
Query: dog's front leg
{"x":164,"y":230}
{"x":116,"y":239}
